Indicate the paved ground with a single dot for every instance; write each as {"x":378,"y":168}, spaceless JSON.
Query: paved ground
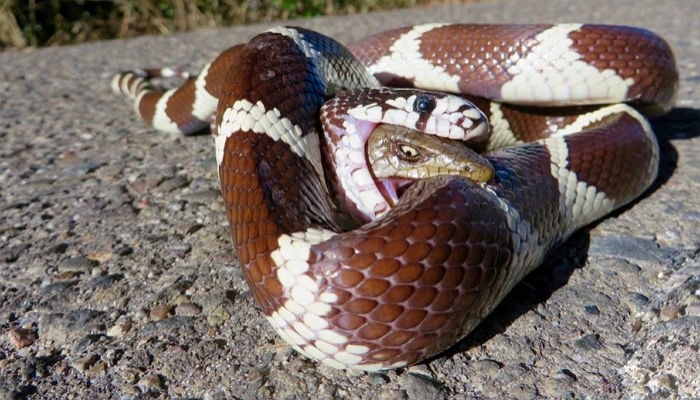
{"x":115,"y":252}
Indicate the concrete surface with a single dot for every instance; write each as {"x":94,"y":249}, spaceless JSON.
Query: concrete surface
{"x":118,"y":280}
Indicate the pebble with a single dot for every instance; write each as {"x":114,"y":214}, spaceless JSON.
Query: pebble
{"x":65,"y":327}
{"x":636,"y":302}
{"x":255,"y":380}
{"x":83,"y":363}
{"x":56,"y":288}
{"x":11,"y":253}
{"x":59,"y":248}
{"x":151,"y":382}
{"x":174,"y":183}
{"x":123,"y":249}
{"x":129,"y":375}
{"x":662,"y":383}
{"x":589,"y":342}
{"x":100,"y":256}
{"x":565,"y":374}
{"x":21,"y":337}
{"x":181,"y":298}
{"x":693,"y":309}
{"x":119,"y":329}
{"x":100,"y":367}
{"x":105,"y":281}
{"x":486,"y":366}
{"x":669,"y":312}
{"x":160,"y":312}
{"x":420,"y":388}
{"x":188,"y":309}
{"x":218,"y":317}
{"x":591,"y":309}
{"x":78,"y":264}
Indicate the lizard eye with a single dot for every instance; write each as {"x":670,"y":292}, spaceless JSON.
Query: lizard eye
{"x":424,"y":103}
{"x":408,"y":152}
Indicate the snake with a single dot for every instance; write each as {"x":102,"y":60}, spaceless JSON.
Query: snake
{"x":385,"y":196}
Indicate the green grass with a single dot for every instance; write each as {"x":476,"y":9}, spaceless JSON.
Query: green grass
{"x":52,"y":22}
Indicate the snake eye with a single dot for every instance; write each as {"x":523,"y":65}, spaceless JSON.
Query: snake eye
{"x":424,"y":103}
{"x":408,"y":152}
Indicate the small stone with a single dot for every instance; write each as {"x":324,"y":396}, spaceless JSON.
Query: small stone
{"x":565,"y":374}
{"x":160,"y":312}
{"x":151,"y":382}
{"x":417,"y":387}
{"x":589,"y":342}
{"x":21,"y":337}
{"x":130,"y":390}
{"x":12,"y":253}
{"x":83,"y":363}
{"x":636,"y":302}
{"x":100,"y":367}
{"x":255,"y":380}
{"x":119,"y":329}
{"x":693,"y":310}
{"x":56,"y":288}
{"x":662,"y":383}
{"x":181,"y":298}
{"x":68,"y":275}
{"x":188,"y":309}
{"x":181,"y":249}
{"x":193,"y":228}
{"x":174,"y":183}
{"x":487,"y":366}
{"x":123,"y":249}
{"x":105,"y":281}
{"x":100,"y":256}
{"x":77,"y":264}
{"x":218,"y":317}
{"x":130,"y":375}
{"x":591,"y":309}
{"x":59,"y":248}
{"x":669,"y":312}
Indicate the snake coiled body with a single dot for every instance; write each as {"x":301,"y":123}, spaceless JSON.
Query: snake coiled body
{"x":412,"y":278}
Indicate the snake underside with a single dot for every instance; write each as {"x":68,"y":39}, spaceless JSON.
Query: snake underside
{"x":421,"y":268}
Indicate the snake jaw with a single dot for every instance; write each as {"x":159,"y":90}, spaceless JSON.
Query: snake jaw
{"x":357,"y":192}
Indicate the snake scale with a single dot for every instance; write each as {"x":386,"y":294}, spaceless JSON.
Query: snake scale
{"x":364,"y":271}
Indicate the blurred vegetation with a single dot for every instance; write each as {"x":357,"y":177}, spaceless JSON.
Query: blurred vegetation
{"x":51,"y":22}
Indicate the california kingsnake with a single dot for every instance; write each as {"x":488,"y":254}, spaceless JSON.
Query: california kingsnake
{"x":411,"y":279}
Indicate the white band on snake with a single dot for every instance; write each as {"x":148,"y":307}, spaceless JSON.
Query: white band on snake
{"x":367,"y":231}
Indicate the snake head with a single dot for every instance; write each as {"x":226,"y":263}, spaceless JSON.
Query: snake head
{"x":425,"y":123}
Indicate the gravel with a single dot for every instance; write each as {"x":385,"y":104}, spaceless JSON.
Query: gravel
{"x":118,"y":278}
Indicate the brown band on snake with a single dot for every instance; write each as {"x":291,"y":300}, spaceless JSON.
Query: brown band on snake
{"x":370,"y":49}
{"x":219,"y":68}
{"x":483,"y":64}
{"x":602,"y":146}
{"x":179,"y":107}
{"x":147,"y":106}
{"x":633,"y":53}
